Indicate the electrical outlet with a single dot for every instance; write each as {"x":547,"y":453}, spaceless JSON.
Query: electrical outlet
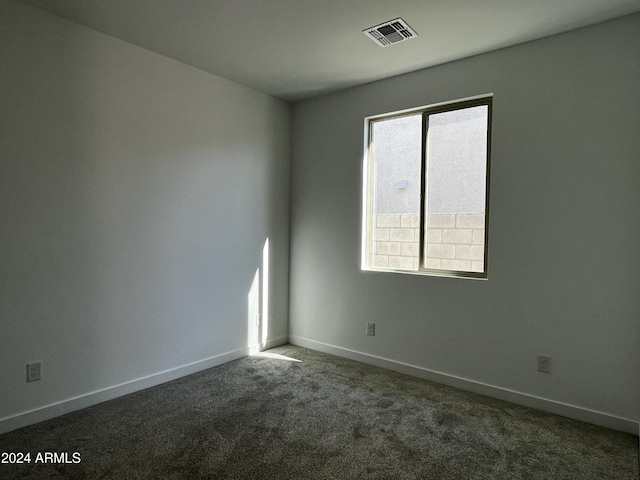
{"x":371,"y":329}
{"x":544,"y":363}
{"x":34,"y":371}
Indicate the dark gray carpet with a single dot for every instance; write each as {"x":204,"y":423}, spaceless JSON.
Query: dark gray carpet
{"x":321,"y":418}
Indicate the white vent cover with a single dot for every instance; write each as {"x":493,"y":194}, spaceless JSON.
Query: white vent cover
{"x":388,"y":33}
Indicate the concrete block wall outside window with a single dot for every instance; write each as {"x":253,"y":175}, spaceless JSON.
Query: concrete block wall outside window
{"x":455,"y":241}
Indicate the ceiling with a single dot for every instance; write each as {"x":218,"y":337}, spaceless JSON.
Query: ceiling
{"x":296,"y":49}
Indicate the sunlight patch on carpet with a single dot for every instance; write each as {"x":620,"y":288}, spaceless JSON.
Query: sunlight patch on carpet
{"x":275,"y":356}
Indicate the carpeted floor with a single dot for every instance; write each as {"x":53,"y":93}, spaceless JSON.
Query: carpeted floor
{"x":320,"y":417}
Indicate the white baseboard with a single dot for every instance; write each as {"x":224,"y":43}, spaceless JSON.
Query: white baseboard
{"x":519,"y":398}
{"x":63,"y":407}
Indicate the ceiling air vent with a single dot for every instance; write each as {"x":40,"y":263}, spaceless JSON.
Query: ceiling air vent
{"x":388,"y":33}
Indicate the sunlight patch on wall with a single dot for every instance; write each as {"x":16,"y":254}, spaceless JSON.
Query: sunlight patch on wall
{"x":265,"y":293}
{"x":258,"y":305}
{"x":253,"y":314}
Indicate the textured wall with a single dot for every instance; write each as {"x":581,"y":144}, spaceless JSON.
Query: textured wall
{"x":564,"y":229}
{"x":136,"y":196}
{"x":456,"y":162}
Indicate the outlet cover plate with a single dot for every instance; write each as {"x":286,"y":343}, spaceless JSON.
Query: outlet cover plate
{"x":34,"y":371}
{"x":544,"y":363}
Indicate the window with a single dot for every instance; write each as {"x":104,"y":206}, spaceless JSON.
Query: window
{"x":426,"y":190}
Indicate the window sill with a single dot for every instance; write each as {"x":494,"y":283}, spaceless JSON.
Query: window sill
{"x":430,"y":273}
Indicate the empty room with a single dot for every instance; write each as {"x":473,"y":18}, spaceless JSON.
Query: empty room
{"x":282,"y":239}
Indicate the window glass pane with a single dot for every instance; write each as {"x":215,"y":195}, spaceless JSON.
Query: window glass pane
{"x":397,"y":151}
{"x":456,"y":189}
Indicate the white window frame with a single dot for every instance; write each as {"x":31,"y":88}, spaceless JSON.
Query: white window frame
{"x":367,"y":187}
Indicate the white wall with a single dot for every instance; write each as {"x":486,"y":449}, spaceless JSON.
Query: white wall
{"x":136,"y":195}
{"x":564,"y":262}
